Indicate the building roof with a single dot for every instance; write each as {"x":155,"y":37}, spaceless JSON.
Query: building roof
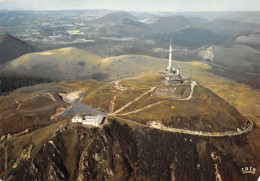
{"x":94,"y":120}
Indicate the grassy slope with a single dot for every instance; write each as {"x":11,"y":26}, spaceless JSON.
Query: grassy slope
{"x":101,"y":102}
{"x":141,"y":66}
{"x":131,"y":65}
{"x":83,"y":85}
{"x":242,"y":97}
{"x":59,"y":64}
{"x":29,"y":107}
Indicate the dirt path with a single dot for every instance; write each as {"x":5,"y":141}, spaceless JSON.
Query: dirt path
{"x":112,"y":104}
{"x":117,"y":86}
{"x":192,"y":85}
{"x":141,"y":109}
{"x":128,"y":104}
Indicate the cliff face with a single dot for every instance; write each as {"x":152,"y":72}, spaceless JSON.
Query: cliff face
{"x":120,"y":152}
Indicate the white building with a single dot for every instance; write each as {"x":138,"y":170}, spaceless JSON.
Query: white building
{"x":88,"y":120}
{"x":76,"y":119}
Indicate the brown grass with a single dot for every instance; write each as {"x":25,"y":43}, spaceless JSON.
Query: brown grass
{"x":101,"y":98}
{"x":37,"y":138}
{"x":84,"y":85}
{"x":205,"y":112}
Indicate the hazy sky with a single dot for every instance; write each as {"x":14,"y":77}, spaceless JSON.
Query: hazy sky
{"x":135,"y":5}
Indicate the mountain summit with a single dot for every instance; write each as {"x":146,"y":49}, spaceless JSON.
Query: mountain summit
{"x":116,"y":17}
{"x":11,"y":48}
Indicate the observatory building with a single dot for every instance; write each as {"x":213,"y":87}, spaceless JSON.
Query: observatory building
{"x":172,"y":74}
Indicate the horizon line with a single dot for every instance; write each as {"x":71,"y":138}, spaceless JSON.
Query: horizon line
{"x":145,"y":11}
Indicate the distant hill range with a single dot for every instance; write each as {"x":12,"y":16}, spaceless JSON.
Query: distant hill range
{"x":115,"y":18}
{"x":189,"y":37}
{"x":11,"y":48}
{"x":230,"y":27}
{"x":184,"y":31}
{"x":220,"y":26}
{"x":173,"y":23}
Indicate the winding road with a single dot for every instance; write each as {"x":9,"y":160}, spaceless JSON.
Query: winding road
{"x":184,"y":131}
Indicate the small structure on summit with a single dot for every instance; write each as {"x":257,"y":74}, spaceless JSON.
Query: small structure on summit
{"x":88,"y":120}
{"x":172,"y":74}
